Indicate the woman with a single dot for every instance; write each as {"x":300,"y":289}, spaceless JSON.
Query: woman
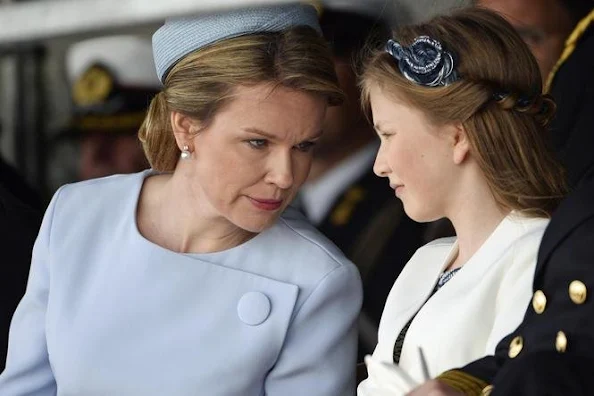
{"x":457,"y":104}
{"x":189,"y":279}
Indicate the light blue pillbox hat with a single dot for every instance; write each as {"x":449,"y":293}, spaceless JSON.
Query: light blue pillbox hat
{"x":180,"y":36}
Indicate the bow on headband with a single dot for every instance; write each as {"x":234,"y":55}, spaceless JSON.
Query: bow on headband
{"x":424,"y":62}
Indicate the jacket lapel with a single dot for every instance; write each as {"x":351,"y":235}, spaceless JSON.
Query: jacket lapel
{"x":413,"y":287}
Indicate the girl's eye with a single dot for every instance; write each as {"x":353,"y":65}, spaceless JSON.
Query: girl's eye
{"x":305,"y":146}
{"x":257,"y":143}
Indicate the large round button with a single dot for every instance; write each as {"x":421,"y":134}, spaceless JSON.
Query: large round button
{"x":539,"y":301}
{"x":515,"y":347}
{"x":253,"y":308}
{"x":561,"y":342}
{"x":487,"y":390}
{"x":578,"y":292}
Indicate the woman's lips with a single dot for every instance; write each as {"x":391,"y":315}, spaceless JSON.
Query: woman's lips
{"x":266,"y":204}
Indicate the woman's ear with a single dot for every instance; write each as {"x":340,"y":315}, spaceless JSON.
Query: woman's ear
{"x":184,"y":129}
{"x":461,"y":144}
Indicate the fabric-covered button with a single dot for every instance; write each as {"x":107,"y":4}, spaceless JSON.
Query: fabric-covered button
{"x":253,"y":308}
{"x":578,"y":292}
{"x":561,"y":342}
{"x":539,"y":302}
{"x":515,"y":346}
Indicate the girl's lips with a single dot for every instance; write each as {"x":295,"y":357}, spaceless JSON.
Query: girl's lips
{"x":397,"y":188}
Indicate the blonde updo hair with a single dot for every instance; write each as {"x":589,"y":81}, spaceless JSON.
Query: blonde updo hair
{"x":508,"y":133}
{"x":201,"y":83}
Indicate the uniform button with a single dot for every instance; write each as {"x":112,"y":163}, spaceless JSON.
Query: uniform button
{"x":577,"y":292}
{"x":253,"y":308}
{"x":487,"y":390}
{"x":515,"y":347}
{"x":539,"y":301}
{"x":561,"y":342}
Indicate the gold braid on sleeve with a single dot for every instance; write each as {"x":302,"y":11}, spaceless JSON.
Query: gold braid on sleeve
{"x":463,"y":382}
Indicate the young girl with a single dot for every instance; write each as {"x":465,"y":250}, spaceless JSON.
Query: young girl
{"x":457,"y":104}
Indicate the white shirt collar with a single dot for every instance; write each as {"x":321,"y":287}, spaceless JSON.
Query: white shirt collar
{"x":317,"y":197}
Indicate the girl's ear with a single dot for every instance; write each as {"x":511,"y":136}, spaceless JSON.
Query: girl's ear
{"x":460,"y":143}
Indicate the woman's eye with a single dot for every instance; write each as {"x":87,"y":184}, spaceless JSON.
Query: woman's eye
{"x":305,"y":146}
{"x":386,"y":135}
{"x":257,"y":143}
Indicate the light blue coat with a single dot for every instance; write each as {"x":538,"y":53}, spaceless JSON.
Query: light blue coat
{"x":107,"y":312}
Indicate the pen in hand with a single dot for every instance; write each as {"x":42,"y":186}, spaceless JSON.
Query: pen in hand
{"x":424,"y":366}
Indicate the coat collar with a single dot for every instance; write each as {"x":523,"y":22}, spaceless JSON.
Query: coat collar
{"x":416,"y":282}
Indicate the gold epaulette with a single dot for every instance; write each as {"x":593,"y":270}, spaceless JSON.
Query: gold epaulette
{"x":570,"y":45}
{"x":463,"y":382}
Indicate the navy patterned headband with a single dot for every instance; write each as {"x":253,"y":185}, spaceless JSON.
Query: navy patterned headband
{"x":424,"y":62}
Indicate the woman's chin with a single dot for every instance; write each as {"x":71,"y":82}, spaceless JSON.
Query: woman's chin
{"x":256,"y":224}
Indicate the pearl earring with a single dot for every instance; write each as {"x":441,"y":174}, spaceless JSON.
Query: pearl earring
{"x":185,"y":154}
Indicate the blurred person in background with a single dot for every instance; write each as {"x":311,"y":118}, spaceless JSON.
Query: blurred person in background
{"x":544,"y":25}
{"x":191,"y":277}
{"x":112,"y":82}
{"x":20,"y":217}
{"x":342,"y":197}
{"x":21,"y":208}
{"x":560,"y":35}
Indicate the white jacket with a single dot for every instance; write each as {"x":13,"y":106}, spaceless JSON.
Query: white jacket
{"x":467,"y":317}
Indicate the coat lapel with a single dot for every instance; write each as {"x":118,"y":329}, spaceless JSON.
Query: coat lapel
{"x":512,"y":227}
{"x":413,"y":287}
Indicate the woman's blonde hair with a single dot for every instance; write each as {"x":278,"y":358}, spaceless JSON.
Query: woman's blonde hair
{"x":497,"y":99}
{"x":204,"y":81}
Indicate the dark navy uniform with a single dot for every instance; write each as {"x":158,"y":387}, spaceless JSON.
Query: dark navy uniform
{"x":572,"y":86}
{"x":552,"y":351}
{"x":19,"y":224}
